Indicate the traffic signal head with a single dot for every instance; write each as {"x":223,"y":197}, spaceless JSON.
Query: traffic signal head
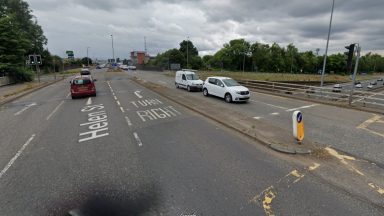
{"x":31,"y":60}
{"x":351,"y":49}
{"x":38,"y":59}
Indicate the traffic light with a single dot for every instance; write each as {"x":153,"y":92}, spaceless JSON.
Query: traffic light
{"x":31,"y":60}
{"x":351,"y":49}
{"x":38,"y":59}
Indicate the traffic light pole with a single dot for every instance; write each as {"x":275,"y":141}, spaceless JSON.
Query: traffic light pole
{"x":37,"y":67}
{"x":354,"y":74}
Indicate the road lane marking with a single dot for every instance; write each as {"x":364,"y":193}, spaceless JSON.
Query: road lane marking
{"x":137,"y":93}
{"x":89,"y":101}
{"x":377,"y":188}
{"x":257,"y":117}
{"x":68,"y":95}
{"x":162,"y":82}
{"x":97,"y":121}
{"x":275,"y":113}
{"x":271,"y":105}
{"x":122,"y":109}
{"x":128,"y":121}
{"x":25,"y":108}
{"x":374,"y":119}
{"x":313,"y":167}
{"x":118,"y":103}
{"x":55,"y":110}
{"x":302,"y":107}
{"x":343,"y":159}
{"x":10,"y":163}
{"x":138,"y":140}
{"x":268,"y":195}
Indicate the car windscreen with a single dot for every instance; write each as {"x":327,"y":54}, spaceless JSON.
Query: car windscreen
{"x":230,"y":82}
{"x":85,"y":73}
{"x":81,"y":81}
{"x":192,"y":77}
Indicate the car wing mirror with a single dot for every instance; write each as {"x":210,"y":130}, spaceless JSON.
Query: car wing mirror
{"x":222,"y":85}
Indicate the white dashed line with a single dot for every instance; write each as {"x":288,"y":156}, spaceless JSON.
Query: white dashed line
{"x":118,"y":103}
{"x":68,"y":95}
{"x":257,"y":117}
{"x":303,"y":107}
{"x":89,"y":101}
{"x":128,"y":121}
{"x":122,"y":110}
{"x":275,"y":113}
{"x":271,"y":105}
{"x":138,"y":140}
{"x":25,"y":108}
{"x":115,"y":97}
{"x":55,"y":110}
{"x":10,"y":163}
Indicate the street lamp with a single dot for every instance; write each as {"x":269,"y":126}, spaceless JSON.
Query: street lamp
{"x":113,"y":51}
{"x":87,"y":55}
{"x":326,"y":48}
{"x":187,"y":51}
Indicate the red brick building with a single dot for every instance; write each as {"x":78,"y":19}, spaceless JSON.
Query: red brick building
{"x":139,"y":57}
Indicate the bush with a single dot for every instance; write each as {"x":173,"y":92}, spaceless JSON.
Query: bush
{"x":22,"y":75}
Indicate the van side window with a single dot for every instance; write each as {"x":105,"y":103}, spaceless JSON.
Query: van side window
{"x":212,"y":81}
{"x":183,"y":77}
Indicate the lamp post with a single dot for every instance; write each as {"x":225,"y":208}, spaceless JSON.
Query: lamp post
{"x":87,"y":56}
{"x":326,"y":48}
{"x":113,"y":51}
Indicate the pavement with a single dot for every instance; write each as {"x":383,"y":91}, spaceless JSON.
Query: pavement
{"x":130,"y":151}
{"x":354,"y":132}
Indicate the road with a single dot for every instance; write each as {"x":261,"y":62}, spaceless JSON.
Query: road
{"x":355,"y":132}
{"x":130,"y":150}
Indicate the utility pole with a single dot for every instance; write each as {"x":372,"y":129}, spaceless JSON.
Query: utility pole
{"x":113,"y":51}
{"x":354,"y":73}
{"x":145,"y":45}
{"x":54,"y":67}
{"x":244,"y":57}
{"x":326,"y":48}
{"x":37,"y":67}
{"x":187,"y":51}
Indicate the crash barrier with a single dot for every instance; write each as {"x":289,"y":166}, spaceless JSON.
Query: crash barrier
{"x":330,"y":94}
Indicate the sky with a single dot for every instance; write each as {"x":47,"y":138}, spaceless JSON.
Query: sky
{"x":78,"y":24}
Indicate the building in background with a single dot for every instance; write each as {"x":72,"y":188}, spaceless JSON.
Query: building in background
{"x":139,"y":57}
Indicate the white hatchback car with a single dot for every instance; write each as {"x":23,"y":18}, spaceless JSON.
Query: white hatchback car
{"x":226,"y":88}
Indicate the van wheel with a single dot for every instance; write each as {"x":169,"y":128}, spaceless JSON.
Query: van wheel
{"x":228,"y":98}
{"x":177,"y":85}
{"x":188,"y":88}
{"x":205,"y":92}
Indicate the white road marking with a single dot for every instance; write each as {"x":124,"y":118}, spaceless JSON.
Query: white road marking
{"x":115,"y":97}
{"x":10,"y":163}
{"x":275,"y":113}
{"x":303,"y":107}
{"x":122,"y":109}
{"x":89,"y":101}
{"x":55,"y":110}
{"x":68,"y":95}
{"x":118,"y":103}
{"x":257,"y":117}
{"x":25,"y":108}
{"x":280,"y":107}
{"x":137,"y":93}
{"x":138,"y":140}
{"x":162,"y":82}
{"x":128,"y":121}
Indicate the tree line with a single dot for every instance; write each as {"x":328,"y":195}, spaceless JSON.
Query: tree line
{"x":239,"y":55}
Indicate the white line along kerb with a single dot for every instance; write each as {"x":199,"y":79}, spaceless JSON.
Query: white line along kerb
{"x":138,"y":140}
{"x":16,"y":156}
{"x":89,"y":101}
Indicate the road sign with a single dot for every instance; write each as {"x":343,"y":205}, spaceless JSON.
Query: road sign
{"x":70,"y":54}
{"x":298,"y":126}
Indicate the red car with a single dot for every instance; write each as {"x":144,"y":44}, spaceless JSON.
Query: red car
{"x":82,"y":86}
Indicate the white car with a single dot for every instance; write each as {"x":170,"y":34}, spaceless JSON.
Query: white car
{"x":124,"y":67}
{"x":359,"y":85}
{"x":337,"y":88}
{"x":131,"y":67}
{"x":370,"y":86}
{"x":189,"y":80}
{"x":226,"y":88}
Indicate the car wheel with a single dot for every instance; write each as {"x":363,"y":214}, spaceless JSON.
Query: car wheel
{"x":205,"y":92}
{"x":177,"y":85}
{"x":228,"y":98}
{"x":73,"y":97}
{"x":188,"y":88}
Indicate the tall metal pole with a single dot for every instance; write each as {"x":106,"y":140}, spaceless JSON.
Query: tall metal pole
{"x":187,"y":51}
{"x":244,"y":57}
{"x":326,"y":48}
{"x":354,"y":74}
{"x":87,"y":56}
{"x":113,"y":51}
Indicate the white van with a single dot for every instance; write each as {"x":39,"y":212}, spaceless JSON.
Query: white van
{"x":189,"y":80}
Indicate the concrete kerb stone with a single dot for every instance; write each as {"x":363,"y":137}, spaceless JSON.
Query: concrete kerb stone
{"x":273,"y":145}
{"x":12,"y":98}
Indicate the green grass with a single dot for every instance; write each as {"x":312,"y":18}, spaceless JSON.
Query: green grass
{"x":72,"y":71}
{"x":279,"y":77}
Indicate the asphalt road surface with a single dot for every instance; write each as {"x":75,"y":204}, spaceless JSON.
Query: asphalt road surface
{"x":132,"y":152}
{"x":355,"y":132}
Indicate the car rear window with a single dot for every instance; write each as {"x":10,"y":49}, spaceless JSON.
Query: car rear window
{"x":85,"y":73}
{"x":81,"y":81}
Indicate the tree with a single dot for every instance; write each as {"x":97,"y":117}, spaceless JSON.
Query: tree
{"x":85,"y":60}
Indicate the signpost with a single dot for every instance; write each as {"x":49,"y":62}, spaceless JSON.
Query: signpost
{"x":298,"y":126}
{"x":36,"y":60}
{"x":70,"y":54}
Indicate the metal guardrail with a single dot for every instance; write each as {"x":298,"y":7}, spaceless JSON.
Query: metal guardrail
{"x":359,"y":98}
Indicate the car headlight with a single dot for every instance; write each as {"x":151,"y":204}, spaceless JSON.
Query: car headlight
{"x":238,"y":92}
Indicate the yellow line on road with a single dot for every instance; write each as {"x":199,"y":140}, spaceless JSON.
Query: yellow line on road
{"x":374,"y":119}
{"x":377,"y":188}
